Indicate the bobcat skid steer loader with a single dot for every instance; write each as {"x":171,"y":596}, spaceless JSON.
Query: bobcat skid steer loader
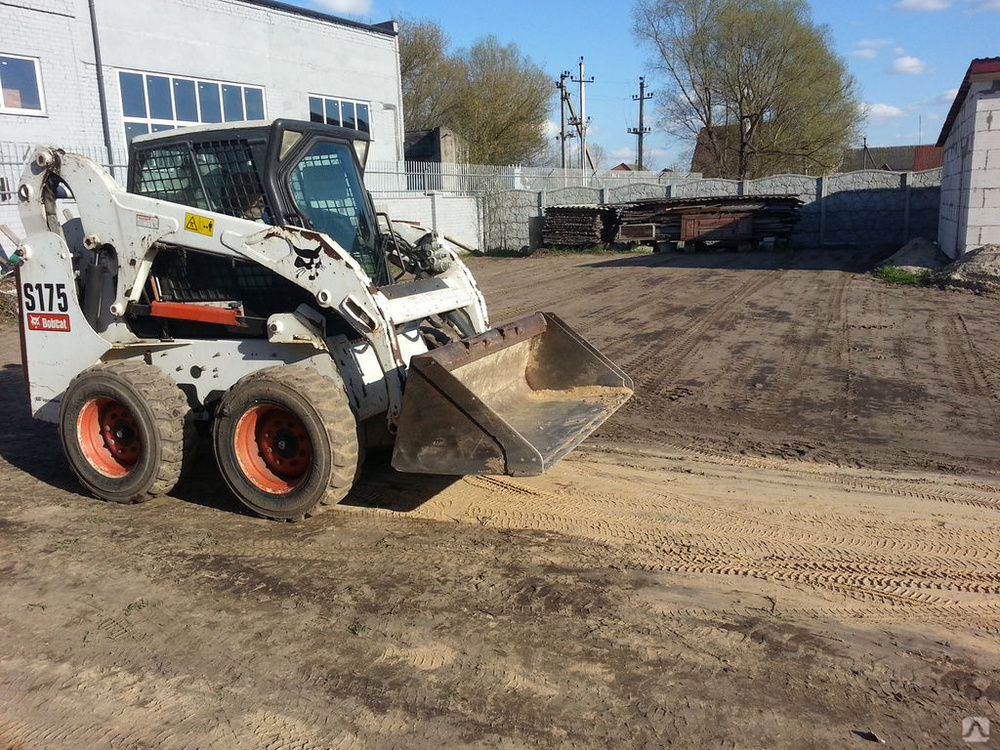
{"x":245,"y":278}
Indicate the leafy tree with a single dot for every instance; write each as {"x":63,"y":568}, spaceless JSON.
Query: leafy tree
{"x":752,"y":82}
{"x":490,"y":94}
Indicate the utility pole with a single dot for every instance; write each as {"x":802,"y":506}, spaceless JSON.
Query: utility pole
{"x":584,"y":150}
{"x":563,"y":96}
{"x":581,"y":124}
{"x":641,"y":130}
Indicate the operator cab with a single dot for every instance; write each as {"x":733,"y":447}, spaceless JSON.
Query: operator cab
{"x":281,"y":172}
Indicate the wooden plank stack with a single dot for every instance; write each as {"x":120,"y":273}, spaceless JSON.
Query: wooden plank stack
{"x":760,"y":217}
{"x":579,"y":226}
{"x":661,"y":220}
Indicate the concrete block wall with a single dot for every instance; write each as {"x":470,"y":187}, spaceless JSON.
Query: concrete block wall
{"x":984,"y":186}
{"x":970,"y":185}
{"x":454,"y":216}
{"x":871,"y":208}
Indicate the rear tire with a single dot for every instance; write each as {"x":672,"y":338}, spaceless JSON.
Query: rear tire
{"x":125,"y":427}
{"x":286,"y":442}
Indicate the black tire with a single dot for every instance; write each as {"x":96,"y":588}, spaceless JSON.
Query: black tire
{"x":286,"y":442}
{"x":125,"y":428}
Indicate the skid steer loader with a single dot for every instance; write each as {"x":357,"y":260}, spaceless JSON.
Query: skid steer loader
{"x":245,"y":280}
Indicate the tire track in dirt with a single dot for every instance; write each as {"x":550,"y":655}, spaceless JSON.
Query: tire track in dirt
{"x":984,"y":364}
{"x":859,"y":558}
{"x":826,"y":315}
{"x":656,"y":364}
{"x":884,"y":486}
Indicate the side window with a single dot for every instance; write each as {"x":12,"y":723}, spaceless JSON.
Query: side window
{"x":20,"y":85}
{"x":230,"y":177}
{"x":168,"y":174}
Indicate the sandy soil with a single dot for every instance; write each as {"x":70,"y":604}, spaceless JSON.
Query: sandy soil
{"x":788,"y":538}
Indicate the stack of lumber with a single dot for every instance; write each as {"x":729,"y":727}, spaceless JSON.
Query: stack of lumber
{"x":579,"y":226}
{"x":773,"y":216}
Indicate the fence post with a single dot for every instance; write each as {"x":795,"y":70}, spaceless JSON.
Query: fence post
{"x":821,"y":198}
{"x":434,"y":210}
{"x":905,"y":183}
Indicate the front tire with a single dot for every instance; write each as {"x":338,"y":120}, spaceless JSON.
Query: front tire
{"x":286,"y":442}
{"x":124,"y":428}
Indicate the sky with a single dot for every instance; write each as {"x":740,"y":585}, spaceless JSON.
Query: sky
{"x":908,"y":58}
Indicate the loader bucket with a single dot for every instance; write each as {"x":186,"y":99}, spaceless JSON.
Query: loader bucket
{"x":512,"y":400}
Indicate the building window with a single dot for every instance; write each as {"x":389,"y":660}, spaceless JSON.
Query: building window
{"x":20,"y":84}
{"x":151,"y":103}
{"x":343,"y":112}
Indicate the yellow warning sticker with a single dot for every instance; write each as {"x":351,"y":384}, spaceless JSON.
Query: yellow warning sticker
{"x":199,"y":224}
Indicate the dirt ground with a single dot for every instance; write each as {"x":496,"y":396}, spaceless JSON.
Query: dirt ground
{"x":787,"y":539}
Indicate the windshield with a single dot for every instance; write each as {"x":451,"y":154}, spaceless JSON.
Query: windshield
{"x":327,"y":189}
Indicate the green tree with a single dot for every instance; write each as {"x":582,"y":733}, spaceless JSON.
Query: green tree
{"x":753,"y":83}
{"x":490,"y":94}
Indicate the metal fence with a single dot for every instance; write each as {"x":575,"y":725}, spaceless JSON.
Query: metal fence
{"x":13,"y":156}
{"x":387,"y":179}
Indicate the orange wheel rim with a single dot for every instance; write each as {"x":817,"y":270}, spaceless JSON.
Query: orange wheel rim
{"x":109,"y":436}
{"x":273,"y":448}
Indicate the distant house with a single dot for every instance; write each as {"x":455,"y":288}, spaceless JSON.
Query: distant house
{"x":893,"y":158}
{"x":970,"y":178}
{"x":627,"y":167}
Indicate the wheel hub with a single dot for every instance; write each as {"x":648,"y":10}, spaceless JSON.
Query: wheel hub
{"x":109,"y":436}
{"x":273,"y":448}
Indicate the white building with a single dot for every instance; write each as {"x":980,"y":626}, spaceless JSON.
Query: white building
{"x":85,"y":75}
{"x":970,"y":180}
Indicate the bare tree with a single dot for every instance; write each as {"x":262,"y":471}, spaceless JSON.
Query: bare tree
{"x":503,"y":109}
{"x":431,"y":80}
{"x":753,"y":84}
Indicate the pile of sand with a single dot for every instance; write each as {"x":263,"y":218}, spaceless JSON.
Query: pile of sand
{"x":918,"y":256}
{"x":978,"y":270}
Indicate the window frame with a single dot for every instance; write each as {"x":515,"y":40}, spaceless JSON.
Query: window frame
{"x":340,"y":101}
{"x":41,"y":111}
{"x":200,"y":85}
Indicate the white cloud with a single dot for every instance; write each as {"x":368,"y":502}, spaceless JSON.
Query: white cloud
{"x":911,"y":66}
{"x":945,"y":97}
{"x":347,"y":7}
{"x":867,"y":49}
{"x":922,"y":5}
{"x":983,"y":6}
{"x":874,"y":43}
{"x":882,"y":111}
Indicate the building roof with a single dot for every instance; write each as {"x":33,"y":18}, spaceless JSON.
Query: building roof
{"x":982,"y":68}
{"x":390,"y":28}
{"x":893,"y":158}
